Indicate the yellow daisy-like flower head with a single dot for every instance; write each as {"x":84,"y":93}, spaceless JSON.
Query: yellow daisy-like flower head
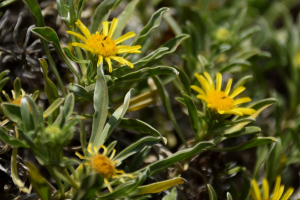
{"x":219,"y":101}
{"x":104,"y":165}
{"x":16,"y":101}
{"x":103,"y":45}
{"x":277,"y":192}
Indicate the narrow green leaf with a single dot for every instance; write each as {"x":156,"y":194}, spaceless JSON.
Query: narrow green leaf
{"x":50,"y":88}
{"x":13,"y":142}
{"x":4,"y":73}
{"x":229,"y":197}
{"x":73,"y":58}
{"x":80,"y":91}
{"x":17,"y":87}
{"x":167,"y":105}
{"x":153,"y":23}
{"x":100,"y":105}
{"x":6,"y":3}
{"x":80,"y":8}
{"x":113,"y":121}
{"x":136,"y":147}
{"x":101,"y":14}
{"x":50,"y":36}
{"x":146,"y":73}
{"x":160,"y":165}
{"x":139,"y":158}
{"x":246,"y":187}
{"x":40,"y":185}
{"x":34,"y":111}
{"x":13,"y":112}
{"x":159,"y":186}
{"x":53,"y":107}
{"x":257,"y":141}
{"x":167,"y":48}
{"x":241,"y":82}
{"x":185,"y":82}
{"x":212,"y":193}
{"x":124,"y":17}
{"x":138,"y":125}
{"x":193,"y":115}
{"x":26,"y":116}
{"x":89,"y":187}
{"x":234,"y":64}
{"x":244,"y":131}
{"x":69,"y":105}
{"x":272,"y":161}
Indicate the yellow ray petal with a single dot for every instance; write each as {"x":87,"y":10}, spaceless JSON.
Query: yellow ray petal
{"x":197,"y":89}
{"x":237,"y":91}
{"x":228,"y":86}
{"x":126,"y":62}
{"x":108,"y":185}
{"x":219,"y":81}
{"x":83,"y":46}
{"x":265,"y":189}
{"x":253,"y":195}
{"x":109,"y":64}
{"x":128,"y":49}
{"x":246,"y":111}
{"x":256,"y":189}
{"x":287,"y":194}
{"x":202,"y":97}
{"x":233,"y":112}
{"x":125,"y":37}
{"x":276,"y":188}
{"x":112,"y":155}
{"x":277,"y":194}
{"x":209,"y":79}
{"x":83,"y":29}
{"x":207,"y":88}
{"x":90,"y":149}
{"x":100,"y":60}
{"x":78,"y":36}
{"x":136,"y":47}
{"x":242,"y":100}
{"x":79,"y":155}
{"x":118,"y":59}
{"x":113,"y":27}
{"x":105,"y":28}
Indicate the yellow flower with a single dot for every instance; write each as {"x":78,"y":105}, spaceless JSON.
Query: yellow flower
{"x":103,"y":44}
{"x":221,"y":101}
{"x":16,"y":101}
{"x":222,"y":34}
{"x":277,"y":192}
{"x":104,"y":165}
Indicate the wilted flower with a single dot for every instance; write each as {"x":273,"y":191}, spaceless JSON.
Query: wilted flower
{"x":103,"y":44}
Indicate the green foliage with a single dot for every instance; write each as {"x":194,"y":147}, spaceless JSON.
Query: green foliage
{"x":129,"y":118}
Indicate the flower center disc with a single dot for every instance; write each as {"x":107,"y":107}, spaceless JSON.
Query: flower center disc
{"x":17,"y":101}
{"x":218,"y":100}
{"x":103,"y":166}
{"x":102,"y":45}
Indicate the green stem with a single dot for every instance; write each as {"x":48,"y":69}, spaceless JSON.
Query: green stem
{"x":70,"y":179}
{"x":53,"y":67}
{"x":58,"y":182}
{"x":35,"y":10}
{"x":72,"y":69}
